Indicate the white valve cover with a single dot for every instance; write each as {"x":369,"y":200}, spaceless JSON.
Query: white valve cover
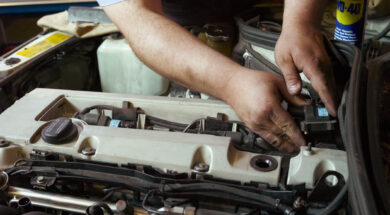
{"x":174,"y":151}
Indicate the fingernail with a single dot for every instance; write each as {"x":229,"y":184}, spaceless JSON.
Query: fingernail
{"x":293,"y":89}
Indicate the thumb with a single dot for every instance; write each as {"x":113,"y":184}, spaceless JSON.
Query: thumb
{"x":290,"y":74}
{"x":297,"y":100}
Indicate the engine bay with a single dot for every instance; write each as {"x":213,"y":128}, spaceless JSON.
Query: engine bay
{"x":92,"y":144}
{"x":73,"y":152}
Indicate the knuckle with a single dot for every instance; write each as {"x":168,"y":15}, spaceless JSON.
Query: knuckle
{"x":315,"y":61}
{"x":320,"y":80}
{"x":278,"y":133}
{"x":287,"y":127}
{"x":320,"y":61}
{"x":264,"y":112}
{"x":282,"y":142}
{"x":318,"y":76}
{"x":268,"y":137}
{"x":277,"y":144}
{"x":255,"y":123}
{"x":282,"y":58}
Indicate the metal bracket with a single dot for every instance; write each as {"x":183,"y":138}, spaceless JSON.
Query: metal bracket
{"x":327,"y":187}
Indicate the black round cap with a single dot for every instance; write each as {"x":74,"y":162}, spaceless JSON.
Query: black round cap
{"x":61,"y":130}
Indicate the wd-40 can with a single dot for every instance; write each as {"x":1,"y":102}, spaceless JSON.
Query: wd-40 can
{"x":350,"y":20}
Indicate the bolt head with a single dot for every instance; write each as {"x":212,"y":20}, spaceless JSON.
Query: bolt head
{"x":201,"y":167}
{"x":308,"y":152}
{"x":41,"y":179}
{"x":88,"y":151}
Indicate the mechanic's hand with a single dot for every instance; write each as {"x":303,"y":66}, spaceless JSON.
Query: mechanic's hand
{"x":301,"y":48}
{"x":256,"y":98}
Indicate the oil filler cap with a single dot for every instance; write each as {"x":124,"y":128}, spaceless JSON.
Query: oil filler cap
{"x":61,"y":130}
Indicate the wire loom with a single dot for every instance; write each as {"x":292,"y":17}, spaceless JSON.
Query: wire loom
{"x":200,"y":190}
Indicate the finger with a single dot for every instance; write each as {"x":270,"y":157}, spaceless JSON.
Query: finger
{"x":275,"y":137}
{"x":291,"y":76}
{"x":286,"y":123}
{"x":320,"y":84}
{"x":297,"y":100}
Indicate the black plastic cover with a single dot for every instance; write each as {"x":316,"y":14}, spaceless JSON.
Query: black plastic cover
{"x":61,"y":130}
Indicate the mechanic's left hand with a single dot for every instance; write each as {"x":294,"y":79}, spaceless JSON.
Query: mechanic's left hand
{"x":301,"y":48}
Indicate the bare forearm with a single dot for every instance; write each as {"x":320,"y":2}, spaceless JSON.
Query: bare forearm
{"x":175,"y":53}
{"x":303,"y":12}
{"x":172,"y":51}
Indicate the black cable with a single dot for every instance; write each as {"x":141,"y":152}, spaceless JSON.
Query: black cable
{"x":153,"y":120}
{"x":107,"y":190}
{"x":212,"y":188}
{"x":165,"y":123}
{"x":204,"y":190}
{"x":150,"y":210}
{"x":379,"y":36}
{"x":383,"y":33}
{"x":107,"y":196}
{"x":335,"y":204}
{"x":19,"y":161}
{"x":192,"y":124}
{"x":105,"y":107}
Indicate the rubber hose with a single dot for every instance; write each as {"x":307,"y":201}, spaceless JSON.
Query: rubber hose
{"x":336,"y":202}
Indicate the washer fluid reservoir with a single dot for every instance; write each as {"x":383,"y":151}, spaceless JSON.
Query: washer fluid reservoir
{"x":122,"y":72}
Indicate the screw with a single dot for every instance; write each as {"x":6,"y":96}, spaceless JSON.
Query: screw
{"x":309,"y":146}
{"x":41,"y":180}
{"x":201,"y":167}
{"x":308,"y":151}
{"x":88,"y":151}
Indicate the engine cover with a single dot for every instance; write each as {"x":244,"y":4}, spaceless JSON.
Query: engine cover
{"x":23,"y":123}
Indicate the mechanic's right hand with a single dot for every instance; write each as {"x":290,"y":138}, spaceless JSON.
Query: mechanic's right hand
{"x":301,"y":47}
{"x":256,"y":97}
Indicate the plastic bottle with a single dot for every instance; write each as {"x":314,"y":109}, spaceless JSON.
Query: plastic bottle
{"x":122,"y":72}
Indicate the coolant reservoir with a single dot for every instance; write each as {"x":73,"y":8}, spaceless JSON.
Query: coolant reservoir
{"x":122,"y":72}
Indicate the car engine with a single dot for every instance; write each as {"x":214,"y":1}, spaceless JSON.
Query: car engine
{"x":77,"y":152}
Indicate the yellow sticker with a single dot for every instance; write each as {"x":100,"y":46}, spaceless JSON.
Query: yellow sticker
{"x":349,"y":11}
{"x":43,"y":45}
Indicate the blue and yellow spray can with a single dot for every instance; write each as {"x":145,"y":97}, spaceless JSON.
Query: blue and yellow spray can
{"x":350,"y":20}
